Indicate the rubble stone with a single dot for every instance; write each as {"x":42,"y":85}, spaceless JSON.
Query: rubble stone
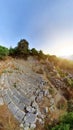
{"x":30,"y":118}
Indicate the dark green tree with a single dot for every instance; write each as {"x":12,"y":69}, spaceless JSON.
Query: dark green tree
{"x":33,"y":52}
{"x":41,"y":55}
{"x":12,"y":51}
{"x":22,"y":47}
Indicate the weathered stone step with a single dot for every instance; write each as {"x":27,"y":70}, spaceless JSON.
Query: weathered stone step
{"x":18,"y":92}
{"x":23,"y":88}
{"x":23,"y":99}
{"x":27,"y":118}
{"x":16,"y":100}
{"x":18,"y":114}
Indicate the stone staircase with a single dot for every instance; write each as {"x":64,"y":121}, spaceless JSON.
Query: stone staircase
{"x":20,"y":98}
{"x":20,"y":89}
{"x":21,"y":107}
{"x":28,"y":95}
{"x":12,"y":105}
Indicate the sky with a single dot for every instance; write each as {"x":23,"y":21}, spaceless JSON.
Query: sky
{"x":45,"y":24}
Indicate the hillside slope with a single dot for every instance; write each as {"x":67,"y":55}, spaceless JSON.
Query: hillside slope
{"x":35,"y":92}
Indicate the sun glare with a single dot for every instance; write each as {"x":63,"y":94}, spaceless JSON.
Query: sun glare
{"x":65,"y":49}
{"x":64,"y":52}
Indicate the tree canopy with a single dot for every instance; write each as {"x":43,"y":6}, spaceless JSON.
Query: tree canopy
{"x":22,"y":47}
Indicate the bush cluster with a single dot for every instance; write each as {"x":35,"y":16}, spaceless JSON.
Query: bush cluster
{"x":3,"y":52}
{"x":21,"y":50}
{"x":66,"y":123}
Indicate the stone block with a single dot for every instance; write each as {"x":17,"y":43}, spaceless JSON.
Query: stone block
{"x":13,"y":108}
{"x":20,"y":115}
{"x":7,"y":99}
{"x":30,"y":118}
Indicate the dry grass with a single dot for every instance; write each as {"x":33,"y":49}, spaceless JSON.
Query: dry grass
{"x":62,"y":105}
{"x":7,"y":121}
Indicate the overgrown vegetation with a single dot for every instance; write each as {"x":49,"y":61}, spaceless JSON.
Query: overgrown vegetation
{"x":3,"y":52}
{"x":22,"y":50}
{"x":62,"y":73}
{"x":70,"y":106}
{"x":65,"y":123}
{"x":69,"y":82}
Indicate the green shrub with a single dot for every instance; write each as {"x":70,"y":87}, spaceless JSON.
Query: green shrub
{"x":70,"y":106}
{"x":66,"y":123}
{"x":41,"y":55}
{"x":62,"y":73}
{"x":33,"y":52}
{"x":70,"y":82}
{"x":3,"y":52}
{"x":12,"y":51}
{"x":61,"y":127}
{"x":15,"y":85}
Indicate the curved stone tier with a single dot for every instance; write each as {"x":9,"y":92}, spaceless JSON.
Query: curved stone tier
{"x":23,"y":90}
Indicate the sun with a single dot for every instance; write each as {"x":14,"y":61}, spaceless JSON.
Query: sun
{"x":64,"y":52}
{"x":64,"y":49}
